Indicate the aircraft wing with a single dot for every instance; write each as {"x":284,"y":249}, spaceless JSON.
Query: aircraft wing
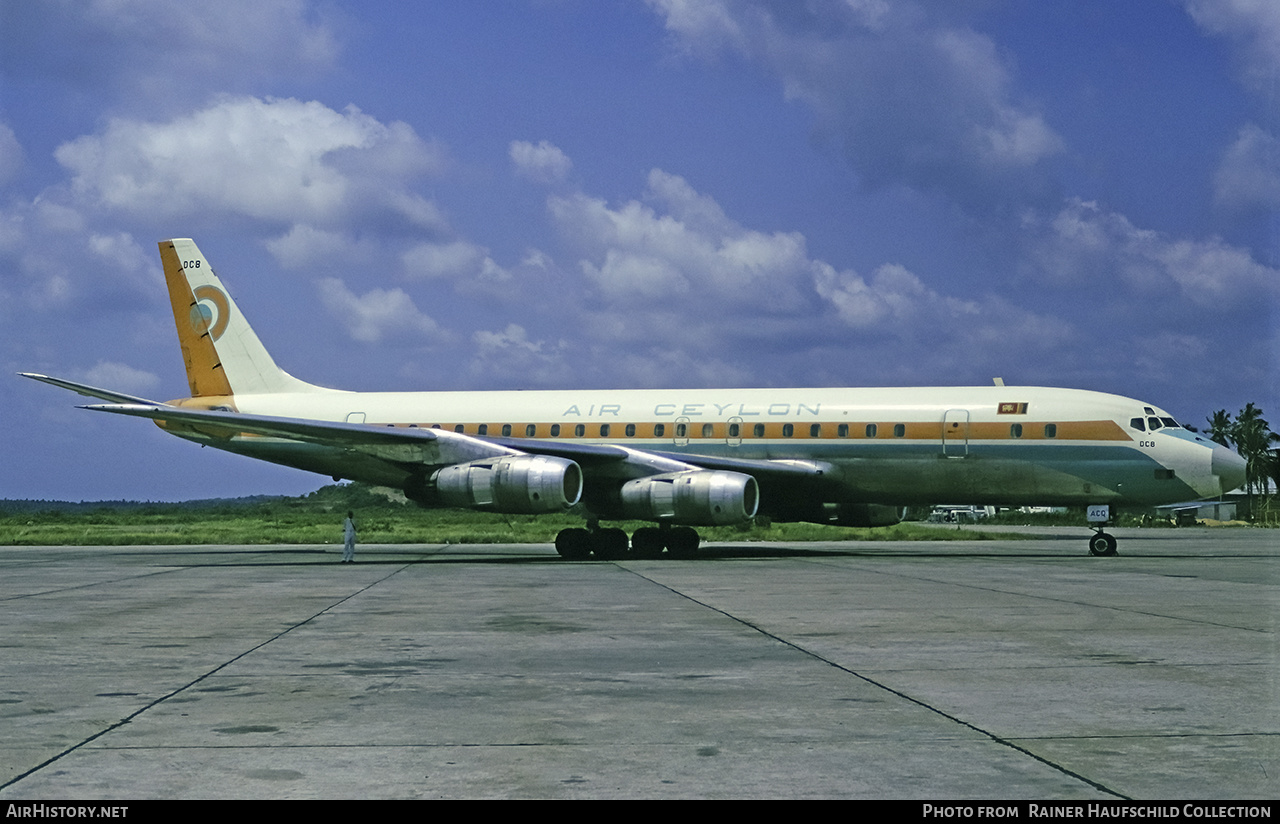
{"x":441,"y":447}
{"x":432,"y":447}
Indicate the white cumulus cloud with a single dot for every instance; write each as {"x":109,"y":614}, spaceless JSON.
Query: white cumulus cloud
{"x":1085,"y":244}
{"x":120,"y":377}
{"x":376,"y":315}
{"x":910,"y":98}
{"x":1249,"y":174}
{"x":542,"y":163}
{"x":1253,"y":24}
{"x":283,"y":160}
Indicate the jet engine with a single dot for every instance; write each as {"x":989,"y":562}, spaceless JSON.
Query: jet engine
{"x":516,"y":484}
{"x":698,"y":497}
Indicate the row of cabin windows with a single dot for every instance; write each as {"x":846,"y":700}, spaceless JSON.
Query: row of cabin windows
{"x":1050,"y":430}
{"x":683,"y":430}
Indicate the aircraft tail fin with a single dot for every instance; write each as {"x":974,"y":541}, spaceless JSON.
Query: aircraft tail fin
{"x":223,"y":355}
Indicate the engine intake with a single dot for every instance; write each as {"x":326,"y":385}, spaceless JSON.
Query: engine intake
{"x":698,"y":497}
{"x":515,"y":485}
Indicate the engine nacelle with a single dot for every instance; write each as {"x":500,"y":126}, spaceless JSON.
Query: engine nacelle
{"x":516,"y":484}
{"x":699,"y":497}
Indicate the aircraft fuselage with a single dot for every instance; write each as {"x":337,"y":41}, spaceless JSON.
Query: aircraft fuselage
{"x":900,"y":446}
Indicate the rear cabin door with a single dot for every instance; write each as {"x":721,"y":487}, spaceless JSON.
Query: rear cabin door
{"x":955,"y":433}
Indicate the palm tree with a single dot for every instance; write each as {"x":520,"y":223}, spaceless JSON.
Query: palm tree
{"x":1220,"y":427}
{"x":1253,"y":439}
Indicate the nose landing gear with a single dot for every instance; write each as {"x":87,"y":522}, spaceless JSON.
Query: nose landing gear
{"x":1102,"y":542}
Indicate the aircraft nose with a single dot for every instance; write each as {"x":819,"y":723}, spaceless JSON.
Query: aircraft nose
{"x":1229,"y":467}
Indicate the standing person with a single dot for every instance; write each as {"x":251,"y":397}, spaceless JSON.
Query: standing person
{"x":349,"y":539}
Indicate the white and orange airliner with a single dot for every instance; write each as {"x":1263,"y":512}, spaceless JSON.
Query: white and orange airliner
{"x":679,"y":458}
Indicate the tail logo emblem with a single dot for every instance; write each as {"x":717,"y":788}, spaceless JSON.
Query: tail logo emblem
{"x":211,"y":311}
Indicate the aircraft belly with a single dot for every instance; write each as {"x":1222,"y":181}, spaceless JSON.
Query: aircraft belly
{"x":1061,"y":479}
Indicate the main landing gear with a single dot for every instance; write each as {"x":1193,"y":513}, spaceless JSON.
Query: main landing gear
{"x":578,"y":544}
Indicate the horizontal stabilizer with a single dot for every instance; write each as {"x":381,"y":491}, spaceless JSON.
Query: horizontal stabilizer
{"x":90,"y":391}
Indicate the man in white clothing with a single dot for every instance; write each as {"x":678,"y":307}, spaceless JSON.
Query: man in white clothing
{"x":349,"y":539}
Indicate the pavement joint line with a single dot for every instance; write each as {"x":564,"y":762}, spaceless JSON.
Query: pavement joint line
{"x":123,"y":721}
{"x":954,"y":719}
{"x":165,"y":571}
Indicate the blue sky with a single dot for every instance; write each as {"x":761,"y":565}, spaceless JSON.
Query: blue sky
{"x":619,"y":193}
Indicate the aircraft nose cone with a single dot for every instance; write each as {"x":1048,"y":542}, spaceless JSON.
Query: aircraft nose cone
{"x":1229,"y":467}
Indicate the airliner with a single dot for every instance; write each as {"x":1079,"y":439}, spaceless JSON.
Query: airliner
{"x":677,"y":458}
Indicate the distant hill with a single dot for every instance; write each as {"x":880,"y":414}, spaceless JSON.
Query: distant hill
{"x":25,"y":505}
{"x":333,"y":495}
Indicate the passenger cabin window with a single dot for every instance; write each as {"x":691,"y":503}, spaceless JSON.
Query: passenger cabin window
{"x":604,"y":430}
{"x":459,"y":428}
{"x":843,"y":430}
{"x":758,"y":430}
{"x":735,"y":430}
{"x":631,"y":430}
{"x":659,"y":430}
{"x":682,"y":430}
{"x":1051,"y":430}
{"x":788,"y":430}
{"x":530,"y":430}
{"x":506,"y":429}
{"x":1015,"y":430}
{"x":899,"y":430}
{"x":579,"y":430}
{"x":871,"y":430}
{"x":815,"y":430}
{"x":483,"y":429}
{"x":555,"y":430}
{"x":707,"y":430}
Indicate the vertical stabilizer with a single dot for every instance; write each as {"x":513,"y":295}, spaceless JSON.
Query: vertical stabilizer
{"x":222,"y":354}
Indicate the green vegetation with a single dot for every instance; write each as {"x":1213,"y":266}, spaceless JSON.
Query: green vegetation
{"x":1251,"y":436}
{"x":382,"y":518}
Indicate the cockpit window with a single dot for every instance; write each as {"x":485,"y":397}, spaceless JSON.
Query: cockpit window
{"x":1154,"y":423}
{"x":1171,"y":423}
{"x":1138,"y":424}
